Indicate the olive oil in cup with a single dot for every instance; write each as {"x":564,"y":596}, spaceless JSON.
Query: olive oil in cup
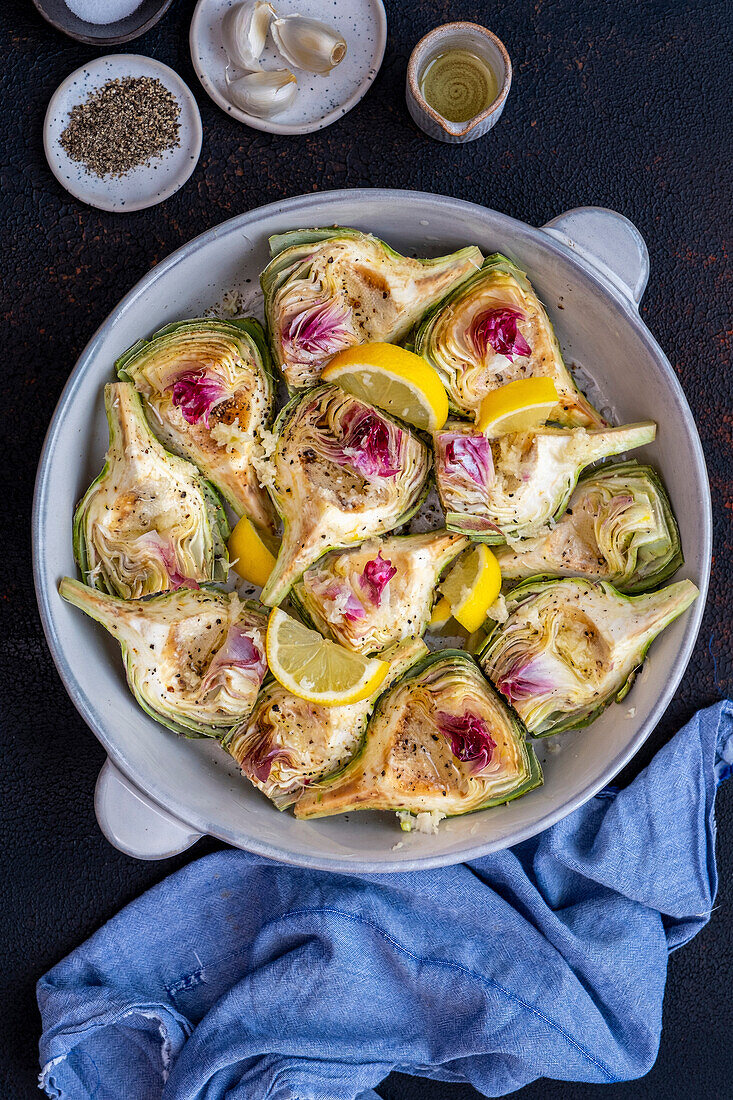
{"x":458,"y":85}
{"x":458,"y":79}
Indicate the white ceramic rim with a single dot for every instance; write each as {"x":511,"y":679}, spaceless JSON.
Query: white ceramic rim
{"x":146,"y":783}
{"x":176,"y":183}
{"x":270,"y":126}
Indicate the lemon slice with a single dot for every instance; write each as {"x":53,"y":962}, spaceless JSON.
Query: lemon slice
{"x":393,"y":379}
{"x":471,"y":587}
{"x":517,"y":407}
{"x":441,"y":613}
{"x":316,"y":669}
{"x":251,"y":558}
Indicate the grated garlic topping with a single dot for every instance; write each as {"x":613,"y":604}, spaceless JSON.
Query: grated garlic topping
{"x":427,"y":821}
{"x":232,"y":438}
{"x":498,"y":611}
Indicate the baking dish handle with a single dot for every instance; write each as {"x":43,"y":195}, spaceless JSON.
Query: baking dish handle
{"x":607,"y":242}
{"x":134,"y":824}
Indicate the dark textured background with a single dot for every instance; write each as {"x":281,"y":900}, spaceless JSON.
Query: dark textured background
{"x":623,"y":105}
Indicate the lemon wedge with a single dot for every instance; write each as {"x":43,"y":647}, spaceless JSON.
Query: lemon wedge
{"x":441,"y":613}
{"x":393,"y":379}
{"x":517,"y":407}
{"x":317,"y":669}
{"x":251,"y":558}
{"x":472,"y":585}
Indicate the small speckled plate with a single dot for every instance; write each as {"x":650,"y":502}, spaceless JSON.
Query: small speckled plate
{"x":321,"y":99}
{"x":144,"y":186}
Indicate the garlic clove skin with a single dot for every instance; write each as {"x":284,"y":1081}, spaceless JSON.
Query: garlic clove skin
{"x":263,"y":94}
{"x":307,"y":43}
{"x":244,"y":32}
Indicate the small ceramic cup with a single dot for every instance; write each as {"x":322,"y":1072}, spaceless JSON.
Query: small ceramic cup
{"x":457,"y":36}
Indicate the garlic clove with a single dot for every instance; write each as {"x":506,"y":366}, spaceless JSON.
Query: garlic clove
{"x":307,"y":43}
{"x":262,"y":93}
{"x":244,"y":32}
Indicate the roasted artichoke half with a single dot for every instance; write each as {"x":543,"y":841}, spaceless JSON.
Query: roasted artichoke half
{"x":492,"y":330}
{"x":441,"y":740}
{"x":570,"y":647}
{"x":328,"y":289}
{"x":208,"y":393}
{"x":150,"y":522}
{"x":340,"y":473}
{"x":194,"y":658}
{"x":516,"y":486}
{"x":287,"y":743}
{"x":370,"y":596}
{"x":619,"y":527}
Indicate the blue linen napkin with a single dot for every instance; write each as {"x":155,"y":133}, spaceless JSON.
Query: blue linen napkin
{"x":242,"y":978}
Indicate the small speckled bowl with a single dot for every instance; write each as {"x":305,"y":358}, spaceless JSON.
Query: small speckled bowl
{"x":146,"y":185}
{"x":145,"y":16}
{"x":321,"y":99}
{"x":457,"y":36}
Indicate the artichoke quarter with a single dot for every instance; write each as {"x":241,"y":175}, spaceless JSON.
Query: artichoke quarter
{"x":441,"y":741}
{"x":194,"y":658}
{"x":570,"y":647}
{"x":492,"y":330}
{"x":329,"y":289}
{"x":516,"y":486}
{"x":370,"y":596}
{"x":341,"y":472}
{"x":208,"y":392}
{"x":288,"y":743}
{"x":149,"y":522}
{"x":619,"y":527}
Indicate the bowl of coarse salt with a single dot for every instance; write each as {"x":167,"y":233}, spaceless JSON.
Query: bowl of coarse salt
{"x":102,"y":22}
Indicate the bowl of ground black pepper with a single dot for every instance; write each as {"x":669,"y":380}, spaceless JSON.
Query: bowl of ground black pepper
{"x":103,"y":24}
{"x":122,"y":133}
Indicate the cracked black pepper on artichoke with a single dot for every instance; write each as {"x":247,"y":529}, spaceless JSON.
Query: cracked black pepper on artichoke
{"x":125,"y":123}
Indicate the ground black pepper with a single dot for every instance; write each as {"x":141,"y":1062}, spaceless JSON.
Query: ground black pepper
{"x":122,"y":125}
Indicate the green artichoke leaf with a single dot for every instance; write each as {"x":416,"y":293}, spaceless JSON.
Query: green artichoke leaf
{"x":194,"y":658}
{"x":570,"y":647}
{"x":149,"y":522}
{"x":441,"y":741}
{"x":517,"y":486}
{"x":619,"y":527}
{"x":329,"y":289}
{"x":341,"y":472}
{"x":492,"y":330}
{"x":208,"y":390}
{"x":287,"y":743}
{"x":370,"y":596}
